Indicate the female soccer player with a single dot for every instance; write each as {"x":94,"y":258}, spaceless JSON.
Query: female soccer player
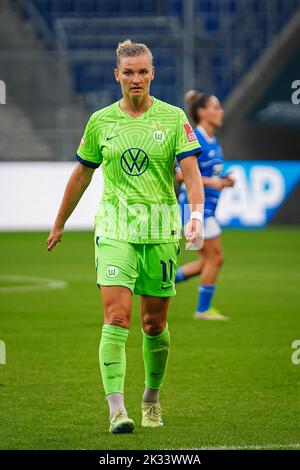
{"x":137,"y":226}
{"x":207,"y":113}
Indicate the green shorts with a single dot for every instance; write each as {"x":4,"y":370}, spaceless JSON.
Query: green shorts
{"x":146,"y":269}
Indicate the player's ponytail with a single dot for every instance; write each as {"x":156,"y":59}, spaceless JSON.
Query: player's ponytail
{"x":195,"y":100}
{"x":128,"y":48}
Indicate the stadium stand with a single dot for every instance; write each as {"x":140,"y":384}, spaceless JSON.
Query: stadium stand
{"x":68,"y":47}
{"x":229,"y":34}
{"x":262,"y":122}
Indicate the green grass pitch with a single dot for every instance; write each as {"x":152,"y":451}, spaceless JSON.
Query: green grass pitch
{"x":228,"y":384}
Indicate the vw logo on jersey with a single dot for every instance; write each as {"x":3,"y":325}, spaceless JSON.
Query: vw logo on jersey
{"x":134,"y":161}
{"x":159,"y":136}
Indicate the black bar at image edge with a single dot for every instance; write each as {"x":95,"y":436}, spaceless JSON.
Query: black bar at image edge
{"x":136,"y":458}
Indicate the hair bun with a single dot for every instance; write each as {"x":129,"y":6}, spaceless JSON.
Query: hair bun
{"x":129,"y":48}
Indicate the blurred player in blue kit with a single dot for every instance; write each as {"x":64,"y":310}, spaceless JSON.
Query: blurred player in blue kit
{"x":207,"y":114}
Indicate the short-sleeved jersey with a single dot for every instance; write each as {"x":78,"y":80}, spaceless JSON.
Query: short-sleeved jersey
{"x":137,"y":156}
{"x":211,"y":163}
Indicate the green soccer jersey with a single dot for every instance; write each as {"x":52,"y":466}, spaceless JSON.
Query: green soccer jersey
{"x":137,"y":155}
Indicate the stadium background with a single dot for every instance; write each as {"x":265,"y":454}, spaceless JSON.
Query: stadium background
{"x":237,"y":384}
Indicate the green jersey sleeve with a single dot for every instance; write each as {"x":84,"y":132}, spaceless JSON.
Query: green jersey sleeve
{"x":187,"y":143}
{"x":89,"y":153}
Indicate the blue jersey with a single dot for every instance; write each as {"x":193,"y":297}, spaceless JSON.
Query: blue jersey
{"x":211,"y":162}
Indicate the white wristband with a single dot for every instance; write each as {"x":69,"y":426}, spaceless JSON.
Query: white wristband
{"x":196,"y":215}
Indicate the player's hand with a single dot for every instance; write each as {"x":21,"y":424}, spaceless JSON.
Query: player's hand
{"x":228,"y":180}
{"x":194,"y":233}
{"x":55,"y":237}
{"x":221,"y":183}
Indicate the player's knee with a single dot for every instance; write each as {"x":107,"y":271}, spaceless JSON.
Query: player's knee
{"x":217,"y":259}
{"x":153,"y":330}
{"x":117,"y":315}
{"x":122,"y":322}
{"x":153,"y":327}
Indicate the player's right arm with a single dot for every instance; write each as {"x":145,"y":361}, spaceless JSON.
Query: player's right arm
{"x":77,"y":184}
{"x":89,"y":158}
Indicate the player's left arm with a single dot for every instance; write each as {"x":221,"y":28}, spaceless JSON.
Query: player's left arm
{"x":194,"y":186}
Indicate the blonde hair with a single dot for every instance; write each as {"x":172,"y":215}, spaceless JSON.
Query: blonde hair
{"x":128,"y":48}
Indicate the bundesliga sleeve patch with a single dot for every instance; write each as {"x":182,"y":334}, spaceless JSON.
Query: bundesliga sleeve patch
{"x":191,"y":136}
{"x":82,"y":141}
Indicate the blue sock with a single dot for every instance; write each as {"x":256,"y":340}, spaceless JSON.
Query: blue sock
{"x":205,"y":294}
{"x":180,"y":276}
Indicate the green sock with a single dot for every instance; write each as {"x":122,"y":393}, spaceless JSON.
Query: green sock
{"x":155,"y":352}
{"x":112,"y":358}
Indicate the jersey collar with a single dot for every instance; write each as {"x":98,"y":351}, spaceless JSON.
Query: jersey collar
{"x":142,"y":116}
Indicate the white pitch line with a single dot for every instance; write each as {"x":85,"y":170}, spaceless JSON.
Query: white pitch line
{"x":38,"y":283}
{"x":251,"y":447}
